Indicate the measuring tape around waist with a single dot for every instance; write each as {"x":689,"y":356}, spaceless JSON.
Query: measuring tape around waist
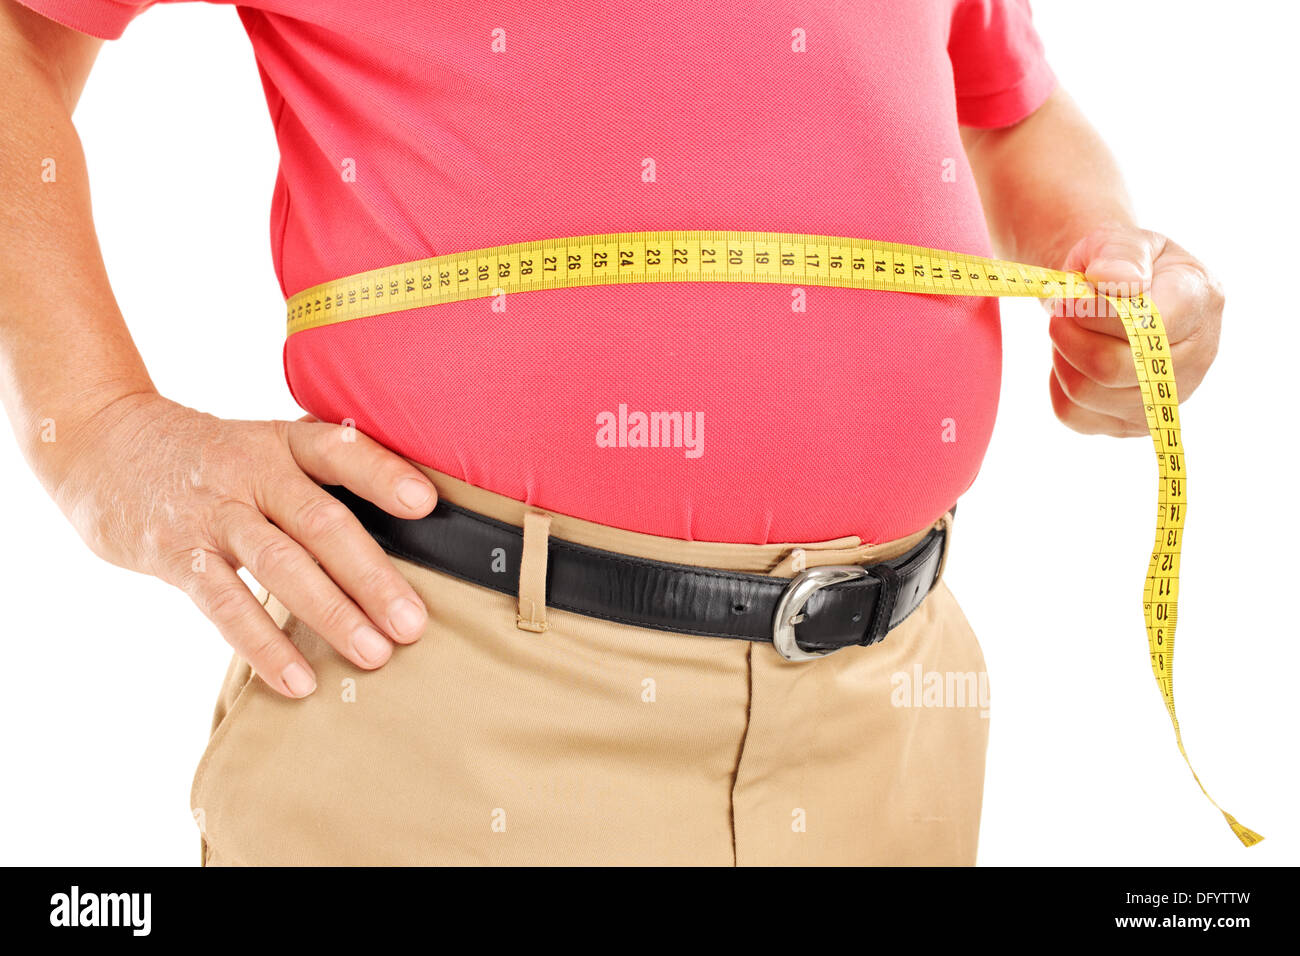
{"x":725,"y":256}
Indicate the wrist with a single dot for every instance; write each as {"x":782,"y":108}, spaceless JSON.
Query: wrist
{"x":66,"y":438}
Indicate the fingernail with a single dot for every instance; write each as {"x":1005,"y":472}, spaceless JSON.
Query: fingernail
{"x":1117,"y":267}
{"x":414,"y":493}
{"x":371,"y":646}
{"x":298,"y":679}
{"x":406,"y":617}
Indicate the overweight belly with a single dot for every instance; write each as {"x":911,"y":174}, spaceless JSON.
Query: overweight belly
{"x":739,"y":413}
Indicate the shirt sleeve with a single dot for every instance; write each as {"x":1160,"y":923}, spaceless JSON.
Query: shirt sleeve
{"x":105,"y":19}
{"x":1000,"y":72}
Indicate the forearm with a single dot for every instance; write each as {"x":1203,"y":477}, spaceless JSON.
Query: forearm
{"x":65,"y":352}
{"x":1045,"y":182}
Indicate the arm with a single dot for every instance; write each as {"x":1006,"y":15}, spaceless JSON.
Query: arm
{"x":66,"y":350}
{"x":149,"y":484}
{"x":1054,"y":196}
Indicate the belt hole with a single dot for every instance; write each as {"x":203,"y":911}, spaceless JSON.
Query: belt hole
{"x":738,"y":609}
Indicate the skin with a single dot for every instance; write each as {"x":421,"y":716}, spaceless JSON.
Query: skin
{"x":170,"y":491}
{"x":150,"y":484}
{"x":1067,"y":208}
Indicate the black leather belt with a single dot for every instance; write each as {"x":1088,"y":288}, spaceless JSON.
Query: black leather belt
{"x":818,"y":611}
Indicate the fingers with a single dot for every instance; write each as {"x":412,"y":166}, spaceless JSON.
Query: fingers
{"x":1085,"y":420}
{"x":1120,"y":256}
{"x":1122,"y":264}
{"x":1094,"y":383}
{"x":1190,"y":299}
{"x":287,"y":570}
{"x":1117,"y":254}
{"x":243,"y":622}
{"x":1101,"y":357}
{"x":340,"y":455}
{"x":326,"y":528}
{"x":1096,"y":370}
{"x":1118,"y":261}
{"x":1190,"y":302}
{"x":1118,"y":404}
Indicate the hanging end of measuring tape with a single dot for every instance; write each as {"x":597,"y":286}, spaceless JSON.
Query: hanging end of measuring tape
{"x":1245,"y":834}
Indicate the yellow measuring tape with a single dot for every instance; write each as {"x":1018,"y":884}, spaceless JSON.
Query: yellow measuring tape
{"x":725,"y":256}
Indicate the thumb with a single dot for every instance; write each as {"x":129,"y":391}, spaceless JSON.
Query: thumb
{"x":1119,"y":261}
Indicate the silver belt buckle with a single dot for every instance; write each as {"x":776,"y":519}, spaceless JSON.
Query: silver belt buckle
{"x":789,"y":610}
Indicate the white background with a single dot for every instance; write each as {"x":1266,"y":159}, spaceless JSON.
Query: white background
{"x":111,"y":676}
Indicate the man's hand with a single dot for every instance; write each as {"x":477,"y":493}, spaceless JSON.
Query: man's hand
{"x":160,"y":488}
{"x":152,"y":485}
{"x":1050,"y":179}
{"x":1093,"y":384}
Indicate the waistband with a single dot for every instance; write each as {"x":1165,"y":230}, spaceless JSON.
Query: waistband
{"x":778,"y":559}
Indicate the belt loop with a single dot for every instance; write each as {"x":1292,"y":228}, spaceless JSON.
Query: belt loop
{"x":532,"y":573}
{"x":946,"y":524}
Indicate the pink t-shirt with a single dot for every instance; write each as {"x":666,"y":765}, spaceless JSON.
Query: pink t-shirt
{"x":410,"y":129}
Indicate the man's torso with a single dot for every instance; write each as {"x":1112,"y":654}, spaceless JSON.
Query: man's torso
{"x":415,"y":130}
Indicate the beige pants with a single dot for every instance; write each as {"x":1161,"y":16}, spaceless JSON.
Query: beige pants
{"x":580,"y":741}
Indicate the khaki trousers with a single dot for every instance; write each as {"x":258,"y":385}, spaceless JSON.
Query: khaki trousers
{"x":510,"y":734}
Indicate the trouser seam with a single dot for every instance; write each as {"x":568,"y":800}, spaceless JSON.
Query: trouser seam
{"x":740,"y":752}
